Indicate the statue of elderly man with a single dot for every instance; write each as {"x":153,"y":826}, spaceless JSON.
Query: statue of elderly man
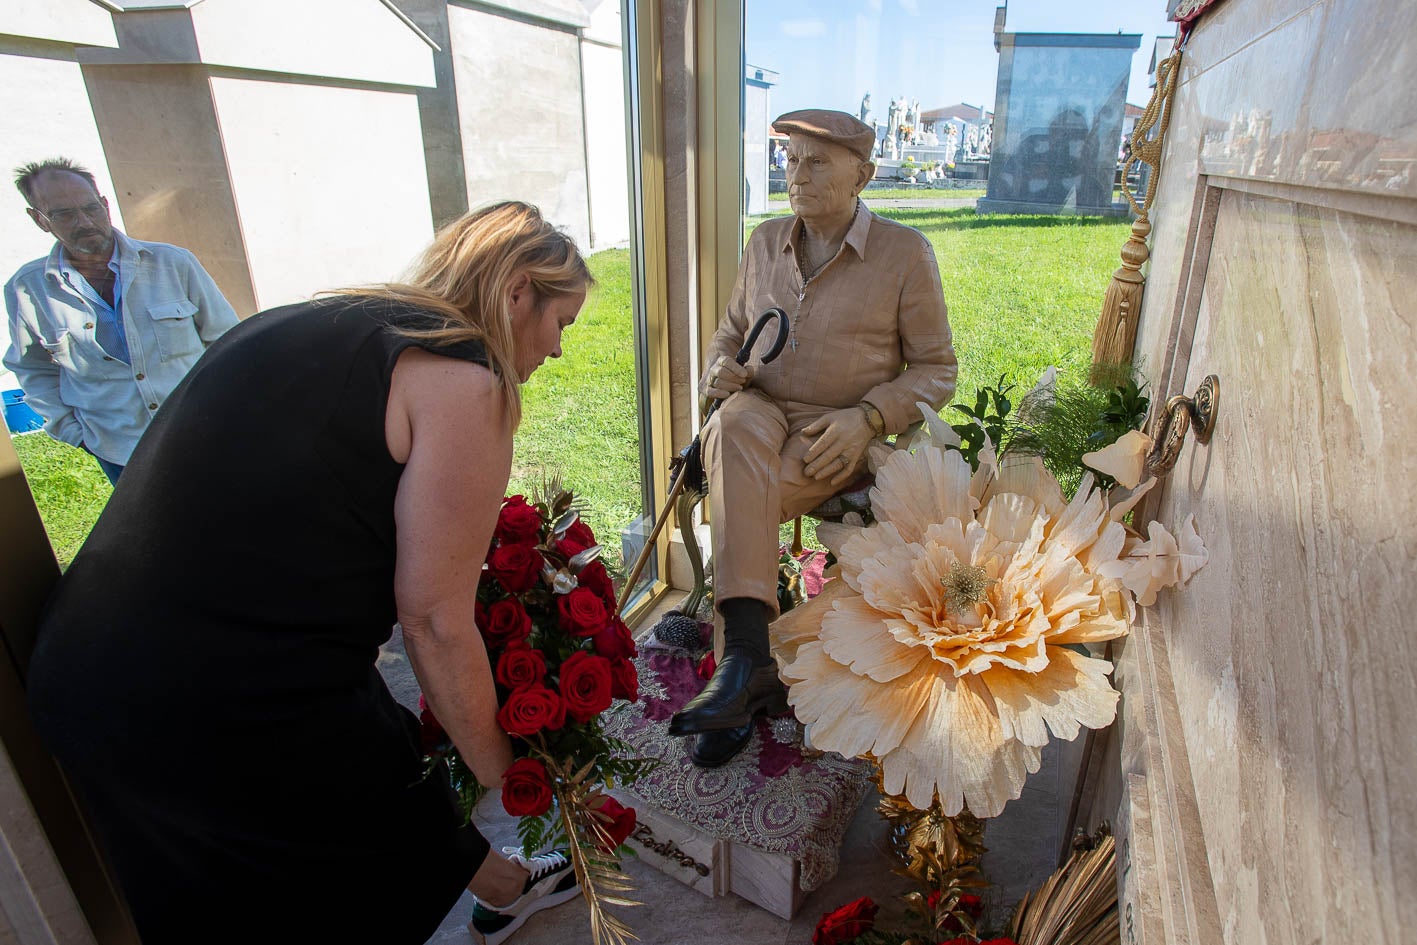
{"x":868,"y":339}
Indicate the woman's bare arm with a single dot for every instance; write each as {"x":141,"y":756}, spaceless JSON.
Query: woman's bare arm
{"x":446,"y":420}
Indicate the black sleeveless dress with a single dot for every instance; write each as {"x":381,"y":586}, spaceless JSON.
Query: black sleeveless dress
{"x":205,"y":671}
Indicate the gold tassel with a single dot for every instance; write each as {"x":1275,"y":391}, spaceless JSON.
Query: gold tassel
{"x":1116,"y":332}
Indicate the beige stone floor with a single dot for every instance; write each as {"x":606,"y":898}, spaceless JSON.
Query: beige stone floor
{"x":1023,"y":847}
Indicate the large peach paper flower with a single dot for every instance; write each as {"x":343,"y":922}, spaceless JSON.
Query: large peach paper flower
{"x":946,"y":654}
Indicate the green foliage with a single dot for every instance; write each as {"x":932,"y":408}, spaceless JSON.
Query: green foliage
{"x":1079,"y":417}
{"x":987,"y":418}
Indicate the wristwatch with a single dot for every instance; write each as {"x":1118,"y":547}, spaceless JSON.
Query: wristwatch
{"x":873,"y":417}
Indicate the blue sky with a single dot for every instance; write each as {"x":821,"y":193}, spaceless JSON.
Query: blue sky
{"x":831,"y":52}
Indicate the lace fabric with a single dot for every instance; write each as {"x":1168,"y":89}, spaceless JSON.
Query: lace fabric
{"x":778,"y":796}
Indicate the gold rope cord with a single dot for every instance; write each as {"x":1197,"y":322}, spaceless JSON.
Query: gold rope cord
{"x":1116,"y":332}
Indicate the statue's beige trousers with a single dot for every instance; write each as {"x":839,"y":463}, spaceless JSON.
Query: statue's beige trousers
{"x":753,"y":450}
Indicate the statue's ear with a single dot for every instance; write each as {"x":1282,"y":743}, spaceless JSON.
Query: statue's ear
{"x":864,"y":175}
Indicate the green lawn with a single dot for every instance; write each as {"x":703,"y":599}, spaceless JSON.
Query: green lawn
{"x":902,"y":193}
{"x":1023,"y":293}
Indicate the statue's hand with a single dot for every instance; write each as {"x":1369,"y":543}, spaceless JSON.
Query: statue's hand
{"x":842,"y":438}
{"x":725,"y":376}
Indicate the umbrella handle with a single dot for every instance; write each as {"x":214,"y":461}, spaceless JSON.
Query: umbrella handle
{"x":778,"y":343}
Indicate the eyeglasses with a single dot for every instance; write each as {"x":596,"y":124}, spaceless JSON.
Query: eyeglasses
{"x":70,"y":215}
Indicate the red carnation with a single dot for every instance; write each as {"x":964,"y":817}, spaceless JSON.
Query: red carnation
{"x":617,"y":820}
{"x":526,"y":789}
{"x":624,"y":681}
{"x":528,"y":711}
{"x":595,"y":577}
{"x":585,"y":685}
{"x":521,"y":667}
{"x":843,"y":925}
{"x":518,"y":523}
{"x":516,"y":567}
{"x":507,"y":622}
{"x":582,"y":612}
{"x":613,"y":641}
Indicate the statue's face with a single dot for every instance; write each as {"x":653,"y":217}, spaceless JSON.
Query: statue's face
{"x":823,"y":178}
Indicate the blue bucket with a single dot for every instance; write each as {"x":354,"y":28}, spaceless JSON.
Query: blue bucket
{"x":19,"y":417}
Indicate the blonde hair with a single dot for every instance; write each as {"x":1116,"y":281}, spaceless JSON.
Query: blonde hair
{"x":466,"y":276}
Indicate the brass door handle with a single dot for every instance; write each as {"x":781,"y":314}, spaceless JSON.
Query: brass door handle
{"x":1196,"y":412}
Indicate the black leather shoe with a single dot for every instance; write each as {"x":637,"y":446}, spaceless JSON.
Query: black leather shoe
{"x":712,"y":749}
{"x":732,"y":697}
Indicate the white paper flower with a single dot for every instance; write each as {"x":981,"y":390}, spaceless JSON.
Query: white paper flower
{"x":946,"y":654}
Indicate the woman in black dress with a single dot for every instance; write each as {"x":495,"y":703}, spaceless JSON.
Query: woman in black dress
{"x":205,"y":671}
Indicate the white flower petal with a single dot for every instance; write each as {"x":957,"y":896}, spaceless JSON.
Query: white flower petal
{"x":941,"y":433}
{"x":1072,"y":692}
{"x":854,"y":635}
{"x":1192,"y":549}
{"x":915,"y":489}
{"x":1124,"y":459}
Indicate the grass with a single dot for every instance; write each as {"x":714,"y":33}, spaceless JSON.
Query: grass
{"x":1023,"y":294}
{"x":68,"y":487}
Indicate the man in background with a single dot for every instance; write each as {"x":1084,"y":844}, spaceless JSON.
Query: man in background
{"x":104,"y":327}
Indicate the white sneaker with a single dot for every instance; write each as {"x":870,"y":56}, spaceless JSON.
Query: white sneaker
{"x":552,"y":882}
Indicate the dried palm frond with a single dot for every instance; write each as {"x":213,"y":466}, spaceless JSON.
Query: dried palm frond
{"x":602,"y":882}
{"x":1077,"y":905}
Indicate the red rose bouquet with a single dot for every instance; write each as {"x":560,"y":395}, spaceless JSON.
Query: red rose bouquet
{"x":560,"y":655}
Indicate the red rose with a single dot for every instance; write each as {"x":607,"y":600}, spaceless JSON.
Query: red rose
{"x":582,"y":612}
{"x":706,"y":666}
{"x":507,"y":622}
{"x":516,"y":567}
{"x":521,"y":667}
{"x":575,"y":539}
{"x":624,"y":681}
{"x":518,"y":523}
{"x":585,"y":685}
{"x":430,"y":730}
{"x":846,"y":923}
{"x":617,"y":820}
{"x":970,"y":904}
{"x":526,"y":790}
{"x":595,"y":577}
{"x":613,"y":641}
{"x":528,"y":711}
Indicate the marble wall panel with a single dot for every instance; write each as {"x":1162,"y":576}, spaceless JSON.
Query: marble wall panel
{"x":1291,"y":652}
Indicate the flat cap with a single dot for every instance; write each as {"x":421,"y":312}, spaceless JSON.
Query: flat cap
{"x":837,"y":127}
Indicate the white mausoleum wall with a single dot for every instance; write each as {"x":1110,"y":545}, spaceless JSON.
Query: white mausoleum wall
{"x":330,"y":183}
{"x":519,"y":104}
{"x":606,"y":162}
{"x":343,"y":39}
